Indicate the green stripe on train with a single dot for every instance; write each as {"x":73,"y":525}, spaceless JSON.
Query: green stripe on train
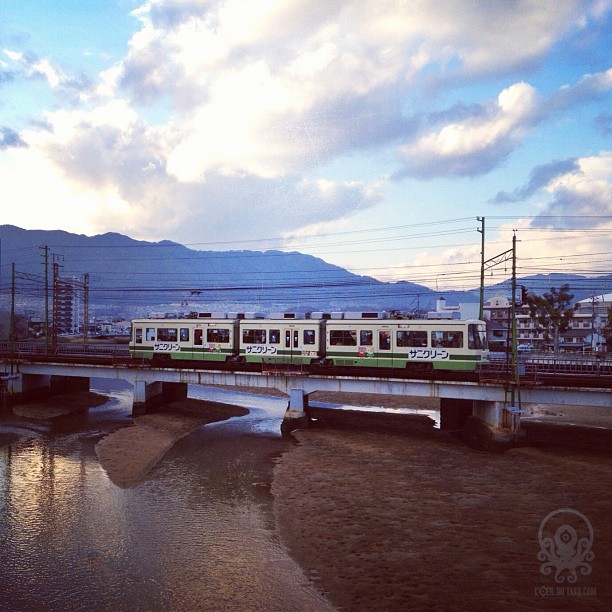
{"x":399,"y":357}
{"x":195,"y":354}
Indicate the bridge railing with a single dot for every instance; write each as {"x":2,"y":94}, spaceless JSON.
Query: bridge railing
{"x":570,"y":365}
{"x":532,"y":365}
{"x":93,"y":350}
{"x":21,"y":348}
{"x":499,"y":367}
{"x":24,"y":349}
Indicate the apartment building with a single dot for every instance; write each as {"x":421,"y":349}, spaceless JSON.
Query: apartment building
{"x":584,"y":334}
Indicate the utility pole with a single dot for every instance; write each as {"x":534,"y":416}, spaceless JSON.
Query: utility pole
{"x":85,"y":307}
{"x":594,"y":300}
{"x":514,"y":342}
{"x":515,"y":389}
{"x":482,"y":266}
{"x":56,"y":298}
{"x":46,"y":250}
{"x":12,"y":319}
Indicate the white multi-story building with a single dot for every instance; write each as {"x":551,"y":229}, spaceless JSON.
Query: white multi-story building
{"x":67,"y":304}
{"x":592,"y":314}
{"x":584,"y":333}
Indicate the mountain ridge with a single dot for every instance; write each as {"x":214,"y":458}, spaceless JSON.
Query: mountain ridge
{"x":167,"y":272}
{"x":140,"y":274}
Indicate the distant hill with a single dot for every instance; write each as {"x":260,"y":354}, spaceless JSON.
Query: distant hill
{"x":133,"y":275}
{"x":581,"y":286}
{"x":130,"y":277}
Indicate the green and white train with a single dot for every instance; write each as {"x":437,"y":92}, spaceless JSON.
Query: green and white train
{"x":368,"y":341}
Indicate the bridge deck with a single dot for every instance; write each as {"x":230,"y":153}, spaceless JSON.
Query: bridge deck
{"x":484,"y":390}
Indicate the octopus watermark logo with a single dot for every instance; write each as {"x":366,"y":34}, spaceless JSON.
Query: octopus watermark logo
{"x":566,"y":538}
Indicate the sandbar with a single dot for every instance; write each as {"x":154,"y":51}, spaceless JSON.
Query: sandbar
{"x":383,"y":520}
{"x":128,"y":454}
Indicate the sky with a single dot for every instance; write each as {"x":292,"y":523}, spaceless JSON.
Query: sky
{"x":374,"y":134}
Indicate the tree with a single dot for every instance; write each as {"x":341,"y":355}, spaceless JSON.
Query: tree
{"x":552,"y":312}
{"x":21,"y":326}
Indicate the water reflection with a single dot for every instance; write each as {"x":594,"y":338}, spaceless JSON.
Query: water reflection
{"x":197,"y":533}
{"x":433,"y":415}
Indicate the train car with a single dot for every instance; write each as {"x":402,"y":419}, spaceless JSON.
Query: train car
{"x":183,"y":339}
{"x":408,"y":344}
{"x":282,"y":341}
{"x":419,"y":345}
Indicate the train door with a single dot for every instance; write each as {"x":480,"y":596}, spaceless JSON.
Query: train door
{"x":292,"y":343}
{"x":385,"y":347}
{"x":300,"y":343}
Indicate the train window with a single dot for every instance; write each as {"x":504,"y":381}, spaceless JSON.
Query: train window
{"x":275,"y":336}
{"x":477,"y":336}
{"x":447,"y":339}
{"x":366,"y":337}
{"x":412,"y":338}
{"x":197,"y":337}
{"x":254,"y":336}
{"x":184,"y":335}
{"x":167,"y":334}
{"x":218,"y":336}
{"x":150,"y":334}
{"x":138,"y":335}
{"x":343,"y":337}
{"x":309,"y":336}
{"x":384,"y":340}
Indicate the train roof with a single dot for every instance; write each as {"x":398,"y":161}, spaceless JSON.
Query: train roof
{"x":288,"y":319}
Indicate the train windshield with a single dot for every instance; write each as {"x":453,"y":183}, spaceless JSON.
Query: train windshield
{"x":477,"y":336}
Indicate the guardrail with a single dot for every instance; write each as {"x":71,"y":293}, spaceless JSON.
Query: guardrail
{"x":66,"y":349}
{"x":534,"y":364}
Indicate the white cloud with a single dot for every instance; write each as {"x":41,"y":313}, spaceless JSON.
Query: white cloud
{"x":104,"y":170}
{"x":583,"y":194}
{"x":35,"y":66}
{"x":475,"y":144}
{"x":553,"y":248}
{"x":39,"y":197}
{"x":580,"y":198}
{"x":587,"y":88}
{"x":247,"y":77}
{"x":251,"y":207}
{"x":256,"y":97}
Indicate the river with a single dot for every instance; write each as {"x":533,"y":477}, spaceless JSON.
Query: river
{"x":198,"y":533}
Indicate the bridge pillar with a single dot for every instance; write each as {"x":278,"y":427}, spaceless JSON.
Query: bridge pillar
{"x":492,"y":413}
{"x":21,"y":387}
{"x":148,"y":396}
{"x":25,"y":387}
{"x":486,"y":428}
{"x":295,"y":416}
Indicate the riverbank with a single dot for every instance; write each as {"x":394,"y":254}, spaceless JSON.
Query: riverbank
{"x":128,"y":454}
{"x":388,"y":521}
{"x":59,"y":405}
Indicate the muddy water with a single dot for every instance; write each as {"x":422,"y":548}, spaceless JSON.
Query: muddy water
{"x":197,"y":533}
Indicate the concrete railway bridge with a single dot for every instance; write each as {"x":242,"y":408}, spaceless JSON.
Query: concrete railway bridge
{"x":492,"y":403}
